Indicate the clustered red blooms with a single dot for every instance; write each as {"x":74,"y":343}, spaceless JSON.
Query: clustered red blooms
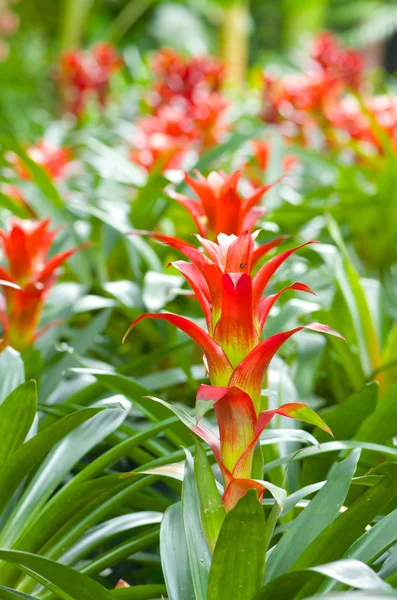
{"x":184,"y":80}
{"x":9,"y":23}
{"x":186,"y":110}
{"x":84,"y":74}
{"x":300,"y":102}
{"x":32,"y":274}
{"x":343,"y":65}
{"x":236,"y":359}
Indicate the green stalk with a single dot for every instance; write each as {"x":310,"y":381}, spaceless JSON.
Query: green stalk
{"x":235,"y":41}
{"x":75,"y":13}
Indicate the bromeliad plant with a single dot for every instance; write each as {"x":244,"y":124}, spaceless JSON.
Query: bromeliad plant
{"x":235,"y":357}
{"x":26,"y":246}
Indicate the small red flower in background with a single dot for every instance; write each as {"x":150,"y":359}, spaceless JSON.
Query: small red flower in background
{"x":26,"y":246}
{"x":257,"y":166}
{"x":349,"y":119}
{"x":220,"y":208}
{"x":54,"y":159}
{"x":342,"y":64}
{"x":85,"y":73}
{"x":163,"y":139}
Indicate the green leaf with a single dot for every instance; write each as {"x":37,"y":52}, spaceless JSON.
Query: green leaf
{"x":174,"y":555}
{"x":62,"y":581}
{"x":381,"y":425}
{"x":12,"y":371}
{"x":356,"y":596}
{"x":137,"y":392}
{"x":197,"y":547}
{"x":321,"y":511}
{"x":81,"y":341}
{"x":113,"y":165}
{"x":353,"y":292}
{"x":343,"y":531}
{"x":99,"y":535}
{"x":349,"y":572}
{"x":9,"y":594}
{"x":239,"y":559}
{"x":373,"y":542}
{"x":58,"y":464}
{"x":344,"y":419}
{"x":389,"y":358}
{"x":212,"y":510}
{"x":38,"y":173}
{"x":17,"y":414}
{"x":20,"y":463}
{"x":330,"y":447}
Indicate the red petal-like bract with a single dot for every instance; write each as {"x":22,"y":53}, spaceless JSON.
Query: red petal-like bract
{"x":237,"y":488}
{"x":217,"y":361}
{"x":235,"y":331}
{"x":265,"y":273}
{"x":248,"y":375}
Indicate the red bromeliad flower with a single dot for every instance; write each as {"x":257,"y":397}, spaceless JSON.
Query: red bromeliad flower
{"x":235,"y":357}
{"x":54,"y":160}
{"x":26,"y":246}
{"x":220,"y":208}
{"x":85,"y":73}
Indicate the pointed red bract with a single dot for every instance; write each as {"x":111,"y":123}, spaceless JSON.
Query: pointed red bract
{"x":265,"y":273}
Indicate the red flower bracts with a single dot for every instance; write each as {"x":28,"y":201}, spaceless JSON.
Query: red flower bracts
{"x":26,"y":246}
{"x":235,"y":356}
{"x":187,"y":111}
